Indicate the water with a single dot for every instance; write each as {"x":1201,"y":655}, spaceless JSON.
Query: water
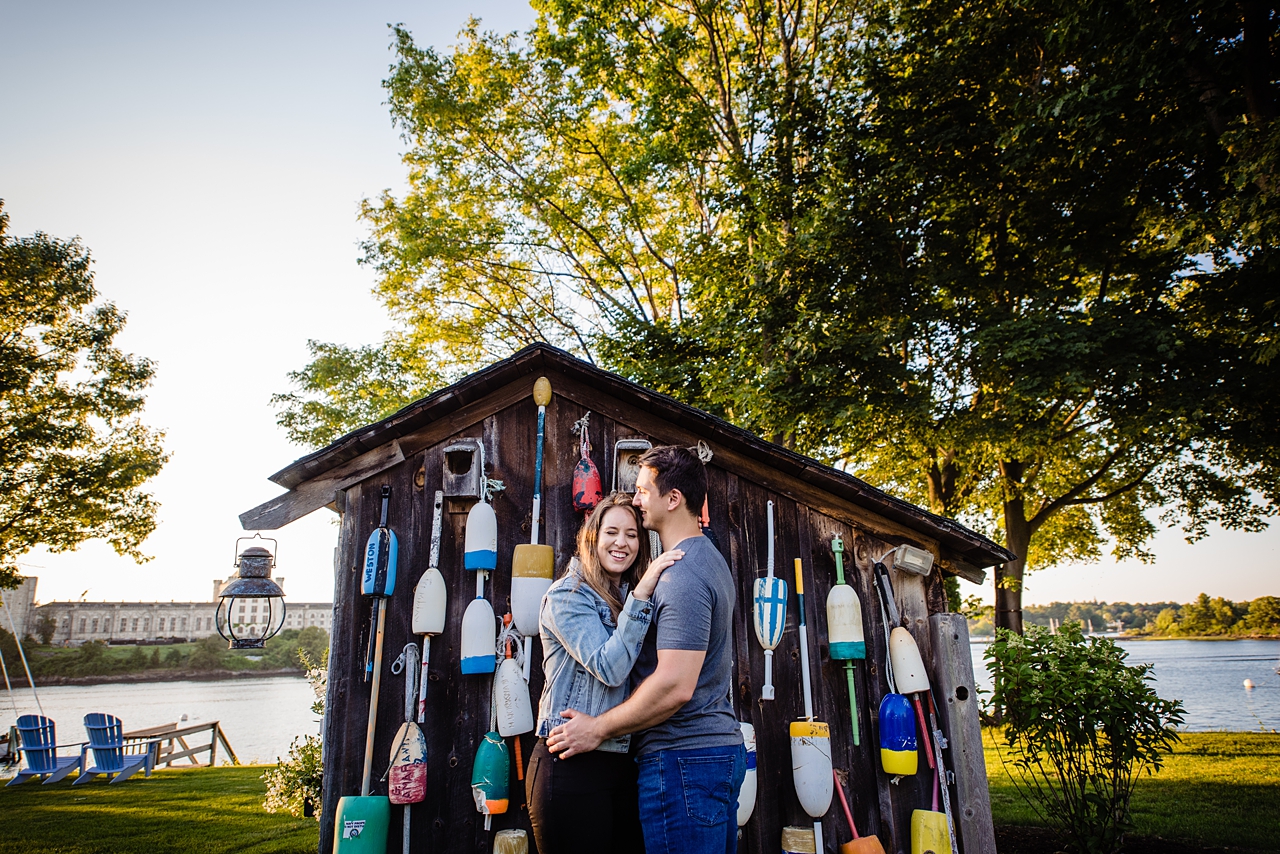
{"x":1207,"y":676}
{"x":260,"y":717}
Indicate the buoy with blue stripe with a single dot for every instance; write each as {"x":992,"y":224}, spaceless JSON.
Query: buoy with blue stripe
{"x":898,"y":749}
{"x":810,"y":740}
{"x":747,"y":792}
{"x":489,"y":775}
{"x":479,"y":624}
{"x":770,"y":612}
{"x":845,"y":639}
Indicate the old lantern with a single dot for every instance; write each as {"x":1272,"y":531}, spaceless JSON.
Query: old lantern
{"x":251,"y":604}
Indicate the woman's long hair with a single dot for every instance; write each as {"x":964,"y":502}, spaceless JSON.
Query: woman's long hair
{"x":589,"y":563}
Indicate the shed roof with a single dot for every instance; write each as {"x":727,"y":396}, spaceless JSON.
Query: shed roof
{"x":968,"y":545}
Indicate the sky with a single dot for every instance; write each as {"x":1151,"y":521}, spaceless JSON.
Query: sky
{"x":213,"y":157}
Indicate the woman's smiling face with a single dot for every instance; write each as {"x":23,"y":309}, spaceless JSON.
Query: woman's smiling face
{"x":619,"y":540}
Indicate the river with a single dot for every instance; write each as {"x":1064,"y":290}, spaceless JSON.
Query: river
{"x":262,"y":716}
{"x":1206,"y":675}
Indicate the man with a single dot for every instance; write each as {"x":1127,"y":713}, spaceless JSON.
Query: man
{"x":690,"y":752}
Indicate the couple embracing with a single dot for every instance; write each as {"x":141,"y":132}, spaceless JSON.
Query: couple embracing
{"x":639,"y":748}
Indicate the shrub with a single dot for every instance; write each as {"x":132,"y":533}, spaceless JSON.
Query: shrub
{"x":296,"y":782}
{"x":1080,"y":726}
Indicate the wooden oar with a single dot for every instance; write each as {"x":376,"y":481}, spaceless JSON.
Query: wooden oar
{"x":845,"y":638}
{"x":533,"y":566}
{"x":810,"y":740}
{"x":770,"y":611}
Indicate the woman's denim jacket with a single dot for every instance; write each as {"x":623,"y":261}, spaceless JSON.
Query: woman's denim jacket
{"x":586,"y":659}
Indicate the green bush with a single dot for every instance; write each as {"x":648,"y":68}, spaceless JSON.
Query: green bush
{"x":1080,"y":726}
{"x":296,"y":782}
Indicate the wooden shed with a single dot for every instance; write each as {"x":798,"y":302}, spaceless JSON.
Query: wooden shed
{"x":812,"y":502}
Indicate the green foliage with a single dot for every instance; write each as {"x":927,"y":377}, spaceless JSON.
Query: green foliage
{"x":1013,"y":263}
{"x":75,"y":456}
{"x":45,"y":629}
{"x":1218,"y":617}
{"x":174,"y":657}
{"x":209,"y":654}
{"x":1081,"y":725}
{"x":296,"y":782}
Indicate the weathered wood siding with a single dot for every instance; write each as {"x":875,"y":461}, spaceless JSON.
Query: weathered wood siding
{"x":458,"y":707}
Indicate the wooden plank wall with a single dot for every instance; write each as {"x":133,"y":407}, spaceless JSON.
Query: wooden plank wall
{"x":458,"y":706}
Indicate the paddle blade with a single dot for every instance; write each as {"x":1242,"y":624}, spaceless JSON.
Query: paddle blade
{"x":407,"y":777}
{"x":489,"y":775}
{"x":479,"y":637}
{"x":380,"y":563}
{"x":770,"y":610}
{"x":844,"y":624}
{"x":480,"y":545}
{"x":898,"y":754}
{"x":929,"y":834}
{"x":811,"y":766}
{"x":430,"y":603}
{"x":360,"y":825}
{"x":908,"y":668}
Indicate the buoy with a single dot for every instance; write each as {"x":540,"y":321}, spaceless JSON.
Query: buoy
{"x":513,"y":841}
{"x":798,"y":840}
{"x":810,"y":740}
{"x":811,"y":766}
{"x":747,"y":792}
{"x":515,"y":710}
{"x":587,"y":490}
{"x":898,"y":750}
{"x":489,"y":774}
{"x":360,"y":825}
{"x":909,"y":677}
{"x":479,"y":637}
{"x":908,"y":667}
{"x":770,"y":611}
{"x":533,"y":566}
{"x":929,"y":832}
{"x":407,"y":777}
{"x":480,"y":550}
{"x":845,"y":638}
{"x":430,"y":604}
{"x":859,"y":844}
{"x":1248,"y":684}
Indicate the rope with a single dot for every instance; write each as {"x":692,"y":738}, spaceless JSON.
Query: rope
{"x":704,"y":452}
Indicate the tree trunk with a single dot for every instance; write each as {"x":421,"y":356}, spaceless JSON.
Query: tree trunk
{"x":1017,"y":538}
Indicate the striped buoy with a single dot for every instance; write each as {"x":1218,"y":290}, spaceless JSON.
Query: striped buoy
{"x":770,"y":600}
{"x":898,"y":754}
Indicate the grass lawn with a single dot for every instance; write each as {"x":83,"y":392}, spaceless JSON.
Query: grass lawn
{"x":1217,"y":789}
{"x":208,"y":810}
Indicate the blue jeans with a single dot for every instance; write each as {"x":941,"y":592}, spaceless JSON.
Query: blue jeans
{"x":689,"y":799}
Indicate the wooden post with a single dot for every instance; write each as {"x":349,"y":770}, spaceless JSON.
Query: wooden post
{"x":213,"y":745}
{"x":957,"y":702}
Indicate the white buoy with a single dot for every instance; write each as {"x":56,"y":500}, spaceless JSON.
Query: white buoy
{"x":747,"y":793}
{"x":811,"y":766}
{"x":480,"y":550}
{"x":908,"y":668}
{"x":479,"y":637}
{"x":515,"y":710}
{"x":770,"y":600}
{"x":1248,"y":684}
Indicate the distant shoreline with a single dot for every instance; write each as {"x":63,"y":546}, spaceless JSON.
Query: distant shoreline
{"x":157,"y":676}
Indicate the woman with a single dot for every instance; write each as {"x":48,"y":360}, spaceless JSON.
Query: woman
{"x":592,"y":629}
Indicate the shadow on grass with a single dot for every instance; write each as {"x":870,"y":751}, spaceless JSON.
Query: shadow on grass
{"x":209,"y":810}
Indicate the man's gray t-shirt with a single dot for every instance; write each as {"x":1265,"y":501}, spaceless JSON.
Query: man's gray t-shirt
{"x":693,"y":609}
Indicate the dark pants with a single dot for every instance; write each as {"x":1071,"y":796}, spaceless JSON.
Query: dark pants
{"x":587,"y":803}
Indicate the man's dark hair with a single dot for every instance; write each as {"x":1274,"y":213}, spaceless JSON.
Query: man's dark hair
{"x":678,"y":468}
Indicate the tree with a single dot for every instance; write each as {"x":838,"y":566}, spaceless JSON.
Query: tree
{"x":1011,"y":263}
{"x":75,"y":456}
{"x":45,"y":629}
{"x":1264,"y":614}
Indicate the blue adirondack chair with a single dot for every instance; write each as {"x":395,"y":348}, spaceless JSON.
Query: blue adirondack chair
{"x":113,"y":755}
{"x":39,"y":743}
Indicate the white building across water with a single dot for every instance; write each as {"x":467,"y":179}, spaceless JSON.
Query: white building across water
{"x":75,"y":623}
